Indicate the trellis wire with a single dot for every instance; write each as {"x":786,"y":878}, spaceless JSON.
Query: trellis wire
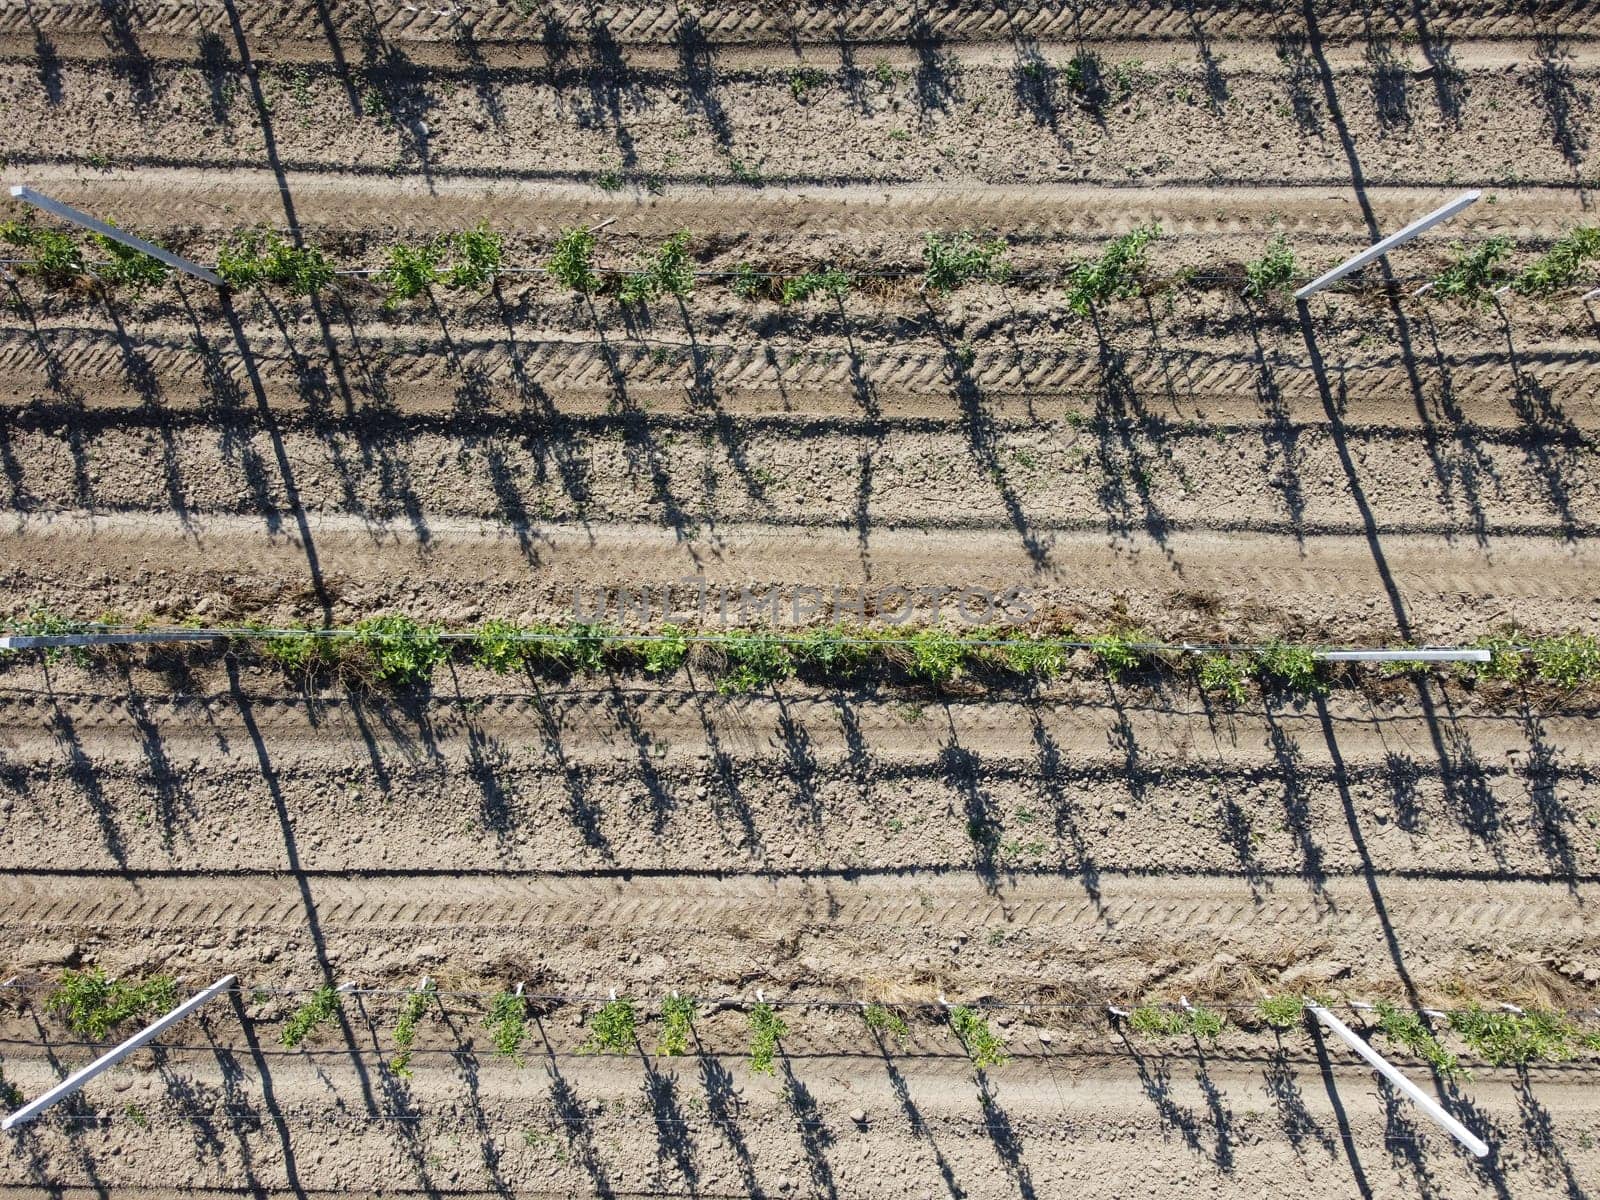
{"x":1045,"y":274}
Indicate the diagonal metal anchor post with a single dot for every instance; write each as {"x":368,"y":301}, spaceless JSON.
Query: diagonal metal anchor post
{"x":111,"y":1057}
{"x":67,"y":213}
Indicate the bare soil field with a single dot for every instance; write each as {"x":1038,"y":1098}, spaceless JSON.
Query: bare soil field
{"x":1192,"y":458}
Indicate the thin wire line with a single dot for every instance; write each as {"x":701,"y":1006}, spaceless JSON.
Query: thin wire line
{"x":245,"y":633}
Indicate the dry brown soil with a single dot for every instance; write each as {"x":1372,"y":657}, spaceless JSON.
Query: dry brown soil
{"x":1375,"y":468}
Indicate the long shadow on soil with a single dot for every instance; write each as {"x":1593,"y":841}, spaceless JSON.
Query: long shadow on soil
{"x":1358,"y":1173}
{"x":1368,"y":873}
{"x":269,"y":774}
{"x":674,"y":1141}
{"x":723,"y":1110}
{"x":569,"y":1112}
{"x":1003,"y":1134}
{"x":1294,"y":1116}
{"x":815,"y":1138}
{"x":914,"y":1120}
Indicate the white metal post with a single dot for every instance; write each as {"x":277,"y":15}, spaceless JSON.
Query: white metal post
{"x":1591,"y":294}
{"x":83,"y":1075}
{"x":52,"y":641}
{"x":1379,"y":249}
{"x":67,"y":213}
{"x":1423,"y":656}
{"x":1422,"y":1100}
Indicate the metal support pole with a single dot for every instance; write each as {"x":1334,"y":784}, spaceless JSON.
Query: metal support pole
{"x":110,"y":1058}
{"x":67,"y":213}
{"x":1424,"y":656}
{"x":1422,"y":1100}
{"x":1379,"y":249}
{"x":1591,"y":294}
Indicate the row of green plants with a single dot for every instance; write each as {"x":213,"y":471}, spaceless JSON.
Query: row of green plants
{"x":93,"y":1005}
{"x":1478,"y":272}
{"x":471,"y":260}
{"x":398,"y":651}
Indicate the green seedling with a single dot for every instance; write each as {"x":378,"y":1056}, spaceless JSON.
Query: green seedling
{"x":1118,"y":652}
{"x":409,"y":271}
{"x":1566,"y":661}
{"x":1405,"y":1029}
{"x":831,"y":283}
{"x":948,"y":263}
{"x":1273,"y":273}
{"x":1281,"y":1012}
{"x":805,"y":80}
{"x":476,"y":257}
{"x":937,"y":656}
{"x":752,"y":660}
{"x":883,"y":1020}
{"x":613,"y":1029}
{"x":836,"y":652}
{"x":1515,"y":1038}
{"x":498,"y":646}
{"x":400,"y":650}
{"x":667,"y":654}
{"x":766,"y":1031}
{"x":1118,"y":272}
{"x":748,"y":283}
{"x":323,"y":1007}
{"x":93,"y":1005}
{"x":1196,"y":1021}
{"x":1035,"y":656}
{"x":127,"y":267}
{"x":1559,"y":266}
{"x":57,"y":258}
{"x":412,"y":1009}
{"x":259,"y":257}
{"x":677,"y":1023}
{"x":1474,"y":274}
{"x":507,"y":1020}
{"x":982,"y":1045}
{"x":572,"y":260}
{"x":1224,"y":675}
{"x":1293,"y":667}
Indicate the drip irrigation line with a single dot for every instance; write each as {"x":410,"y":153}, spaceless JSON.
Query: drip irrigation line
{"x":135,"y":635}
{"x":1357,"y":1007}
{"x":1046,"y":274}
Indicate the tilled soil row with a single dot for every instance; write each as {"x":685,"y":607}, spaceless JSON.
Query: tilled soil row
{"x":982,"y":362}
{"x":1025,"y":937}
{"x":660,"y":778}
{"x":797,"y":228}
{"x":629,"y":1129}
{"x":554,"y":27}
{"x":807,"y":844}
{"x":1274,"y":478}
{"x":1203,"y":586}
{"x":1252,"y":115}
